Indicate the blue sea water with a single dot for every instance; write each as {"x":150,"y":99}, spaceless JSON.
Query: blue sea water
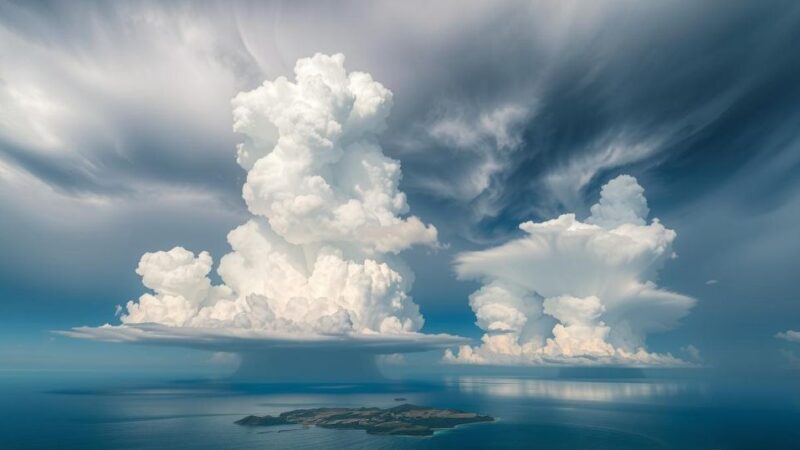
{"x":81,"y":412}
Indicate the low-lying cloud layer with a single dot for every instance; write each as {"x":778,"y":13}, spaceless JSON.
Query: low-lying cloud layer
{"x":317,"y":262}
{"x":576,"y":292}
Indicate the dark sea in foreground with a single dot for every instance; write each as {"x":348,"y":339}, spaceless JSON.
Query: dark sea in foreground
{"x":110,"y":412}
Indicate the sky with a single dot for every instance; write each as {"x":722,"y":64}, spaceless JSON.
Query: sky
{"x":118,"y":137}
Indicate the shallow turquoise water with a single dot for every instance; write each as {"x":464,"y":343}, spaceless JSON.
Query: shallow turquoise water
{"x":109,"y":413}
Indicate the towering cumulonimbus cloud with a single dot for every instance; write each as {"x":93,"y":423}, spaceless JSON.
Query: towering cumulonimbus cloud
{"x":319,"y":255}
{"x":572,"y":292}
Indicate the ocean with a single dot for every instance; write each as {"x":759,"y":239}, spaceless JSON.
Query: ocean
{"x":50,"y":410}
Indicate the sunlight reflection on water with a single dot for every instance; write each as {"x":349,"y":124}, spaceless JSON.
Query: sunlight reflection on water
{"x":592,"y":391}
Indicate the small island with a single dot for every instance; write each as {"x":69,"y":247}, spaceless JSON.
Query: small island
{"x":403,"y":420}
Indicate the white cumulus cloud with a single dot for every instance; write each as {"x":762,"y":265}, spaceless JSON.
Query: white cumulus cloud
{"x":789,"y":335}
{"x":621,"y":201}
{"x":318,"y":257}
{"x":572,"y":292}
{"x":315,"y":169}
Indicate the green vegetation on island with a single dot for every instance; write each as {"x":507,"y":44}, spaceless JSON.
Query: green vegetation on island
{"x":406,"y":420}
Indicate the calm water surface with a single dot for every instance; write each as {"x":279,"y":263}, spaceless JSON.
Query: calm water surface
{"x":72,"y":412}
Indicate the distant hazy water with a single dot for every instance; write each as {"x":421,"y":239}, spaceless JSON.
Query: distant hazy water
{"x":105,"y":413}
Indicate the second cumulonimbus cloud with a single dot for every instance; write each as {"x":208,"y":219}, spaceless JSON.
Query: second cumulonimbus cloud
{"x":576,"y":292}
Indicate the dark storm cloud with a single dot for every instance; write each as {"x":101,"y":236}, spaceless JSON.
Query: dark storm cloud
{"x":675,"y":92}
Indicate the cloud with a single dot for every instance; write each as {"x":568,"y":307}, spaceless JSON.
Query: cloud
{"x":572,"y":292}
{"x":790,"y":358}
{"x":789,"y":335}
{"x":225,"y":358}
{"x":477,"y":144}
{"x":270,"y":356}
{"x":393,"y":359}
{"x":315,"y":169}
{"x":566,"y":182}
{"x":499,"y":127}
{"x":109,"y":114}
{"x":122,"y":128}
{"x":692,"y":351}
{"x":250,"y":341}
{"x":621,"y":202}
{"x":316,"y":263}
